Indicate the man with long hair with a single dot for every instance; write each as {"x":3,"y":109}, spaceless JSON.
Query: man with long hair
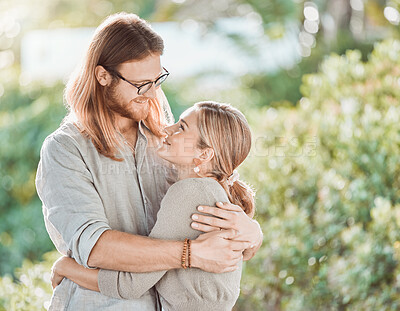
{"x":101,"y":182}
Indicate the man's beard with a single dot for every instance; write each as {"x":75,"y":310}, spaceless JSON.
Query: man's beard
{"x":131,"y":110}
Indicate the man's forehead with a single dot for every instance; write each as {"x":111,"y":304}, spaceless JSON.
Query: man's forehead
{"x":144,"y":70}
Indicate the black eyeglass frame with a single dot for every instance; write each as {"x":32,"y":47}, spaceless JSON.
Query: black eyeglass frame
{"x":163,"y":76}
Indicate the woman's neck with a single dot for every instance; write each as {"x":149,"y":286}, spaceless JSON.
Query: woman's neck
{"x":186,"y":171}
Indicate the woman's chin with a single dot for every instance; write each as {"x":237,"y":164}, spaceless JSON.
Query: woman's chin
{"x":163,"y":153}
{"x":166,"y":153}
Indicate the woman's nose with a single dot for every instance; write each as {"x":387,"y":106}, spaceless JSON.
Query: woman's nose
{"x":168,"y":130}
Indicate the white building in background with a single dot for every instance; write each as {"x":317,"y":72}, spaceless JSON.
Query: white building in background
{"x":53,"y":54}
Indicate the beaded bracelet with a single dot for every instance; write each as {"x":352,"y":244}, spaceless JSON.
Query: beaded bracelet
{"x":189,"y":263}
{"x":183,"y":258}
{"x":186,"y":255}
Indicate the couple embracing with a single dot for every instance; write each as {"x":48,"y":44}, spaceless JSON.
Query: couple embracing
{"x":149,"y":215}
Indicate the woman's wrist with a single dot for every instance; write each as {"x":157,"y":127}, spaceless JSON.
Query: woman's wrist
{"x":62,"y":264}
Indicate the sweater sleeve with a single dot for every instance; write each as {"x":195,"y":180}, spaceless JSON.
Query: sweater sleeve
{"x":173,"y":223}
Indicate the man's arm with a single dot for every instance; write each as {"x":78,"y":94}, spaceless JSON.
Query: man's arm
{"x":89,"y":278}
{"x":211,"y":252}
{"x":122,"y":251}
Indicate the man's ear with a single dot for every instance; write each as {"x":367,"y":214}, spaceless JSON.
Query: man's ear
{"x":102,"y":76}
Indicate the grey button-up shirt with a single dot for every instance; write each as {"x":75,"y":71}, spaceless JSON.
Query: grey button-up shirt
{"x":85,"y":193}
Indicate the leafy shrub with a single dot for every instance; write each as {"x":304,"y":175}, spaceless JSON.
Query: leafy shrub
{"x":328,"y":180}
{"x":32,"y":290}
{"x":28,"y":114}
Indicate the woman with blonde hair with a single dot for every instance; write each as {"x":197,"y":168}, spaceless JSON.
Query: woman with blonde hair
{"x":206,"y":146}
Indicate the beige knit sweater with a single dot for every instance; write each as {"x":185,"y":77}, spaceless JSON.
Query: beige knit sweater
{"x":179,"y":289}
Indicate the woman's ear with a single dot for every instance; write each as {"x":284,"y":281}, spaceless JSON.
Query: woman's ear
{"x":206,"y":155}
{"x":102,"y":75}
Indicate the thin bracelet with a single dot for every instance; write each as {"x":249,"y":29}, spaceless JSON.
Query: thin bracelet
{"x":189,"y":263}
{"x":183,"y":258}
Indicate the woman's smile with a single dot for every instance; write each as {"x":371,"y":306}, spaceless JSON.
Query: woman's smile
{"x":180,"y":144}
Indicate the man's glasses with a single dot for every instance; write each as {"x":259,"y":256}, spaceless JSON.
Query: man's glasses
{"x":141,"y":89}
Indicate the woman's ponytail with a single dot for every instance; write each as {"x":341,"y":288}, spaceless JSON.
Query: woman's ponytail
{"x":243,"y":195}
{"x":225,"y":129}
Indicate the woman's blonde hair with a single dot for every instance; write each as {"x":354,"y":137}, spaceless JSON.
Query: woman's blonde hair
{"x":225,"y":129}
{"x":120,"y":38}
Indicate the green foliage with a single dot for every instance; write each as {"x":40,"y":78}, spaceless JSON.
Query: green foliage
{"x":31,"y":290}
{"x":27,"y":115}
{"x":328,"y":179}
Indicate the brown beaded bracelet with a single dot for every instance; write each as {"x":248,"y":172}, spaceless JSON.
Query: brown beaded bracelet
{"x":189,"y":263}
{"x":183,"y":258}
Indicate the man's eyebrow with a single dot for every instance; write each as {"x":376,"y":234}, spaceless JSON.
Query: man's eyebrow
{"x":146,"y":81}
{"x":183,"y":121}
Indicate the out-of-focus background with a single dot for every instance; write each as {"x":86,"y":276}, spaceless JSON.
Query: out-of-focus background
{"x":319,"y":82}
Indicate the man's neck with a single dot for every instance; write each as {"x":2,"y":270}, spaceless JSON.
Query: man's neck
{"x":128,"y":128}
{"x":125,"y":125}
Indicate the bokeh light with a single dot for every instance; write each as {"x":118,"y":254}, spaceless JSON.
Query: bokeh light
{"x":392,"y":15}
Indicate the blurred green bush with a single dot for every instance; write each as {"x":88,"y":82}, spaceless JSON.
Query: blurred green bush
{"x":32,"y":291}
{"x":28,"y":113}
{"x":328,"y":179}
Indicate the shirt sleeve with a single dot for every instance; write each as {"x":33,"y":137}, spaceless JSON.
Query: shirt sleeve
{"x":173,"y":223}
{"x":73,"y":210}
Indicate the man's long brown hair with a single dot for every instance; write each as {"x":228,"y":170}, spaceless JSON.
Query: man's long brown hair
{"x":120,"y":38}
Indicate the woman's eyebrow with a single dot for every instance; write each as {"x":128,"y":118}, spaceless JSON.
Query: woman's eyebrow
{"x":183,"y":121}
